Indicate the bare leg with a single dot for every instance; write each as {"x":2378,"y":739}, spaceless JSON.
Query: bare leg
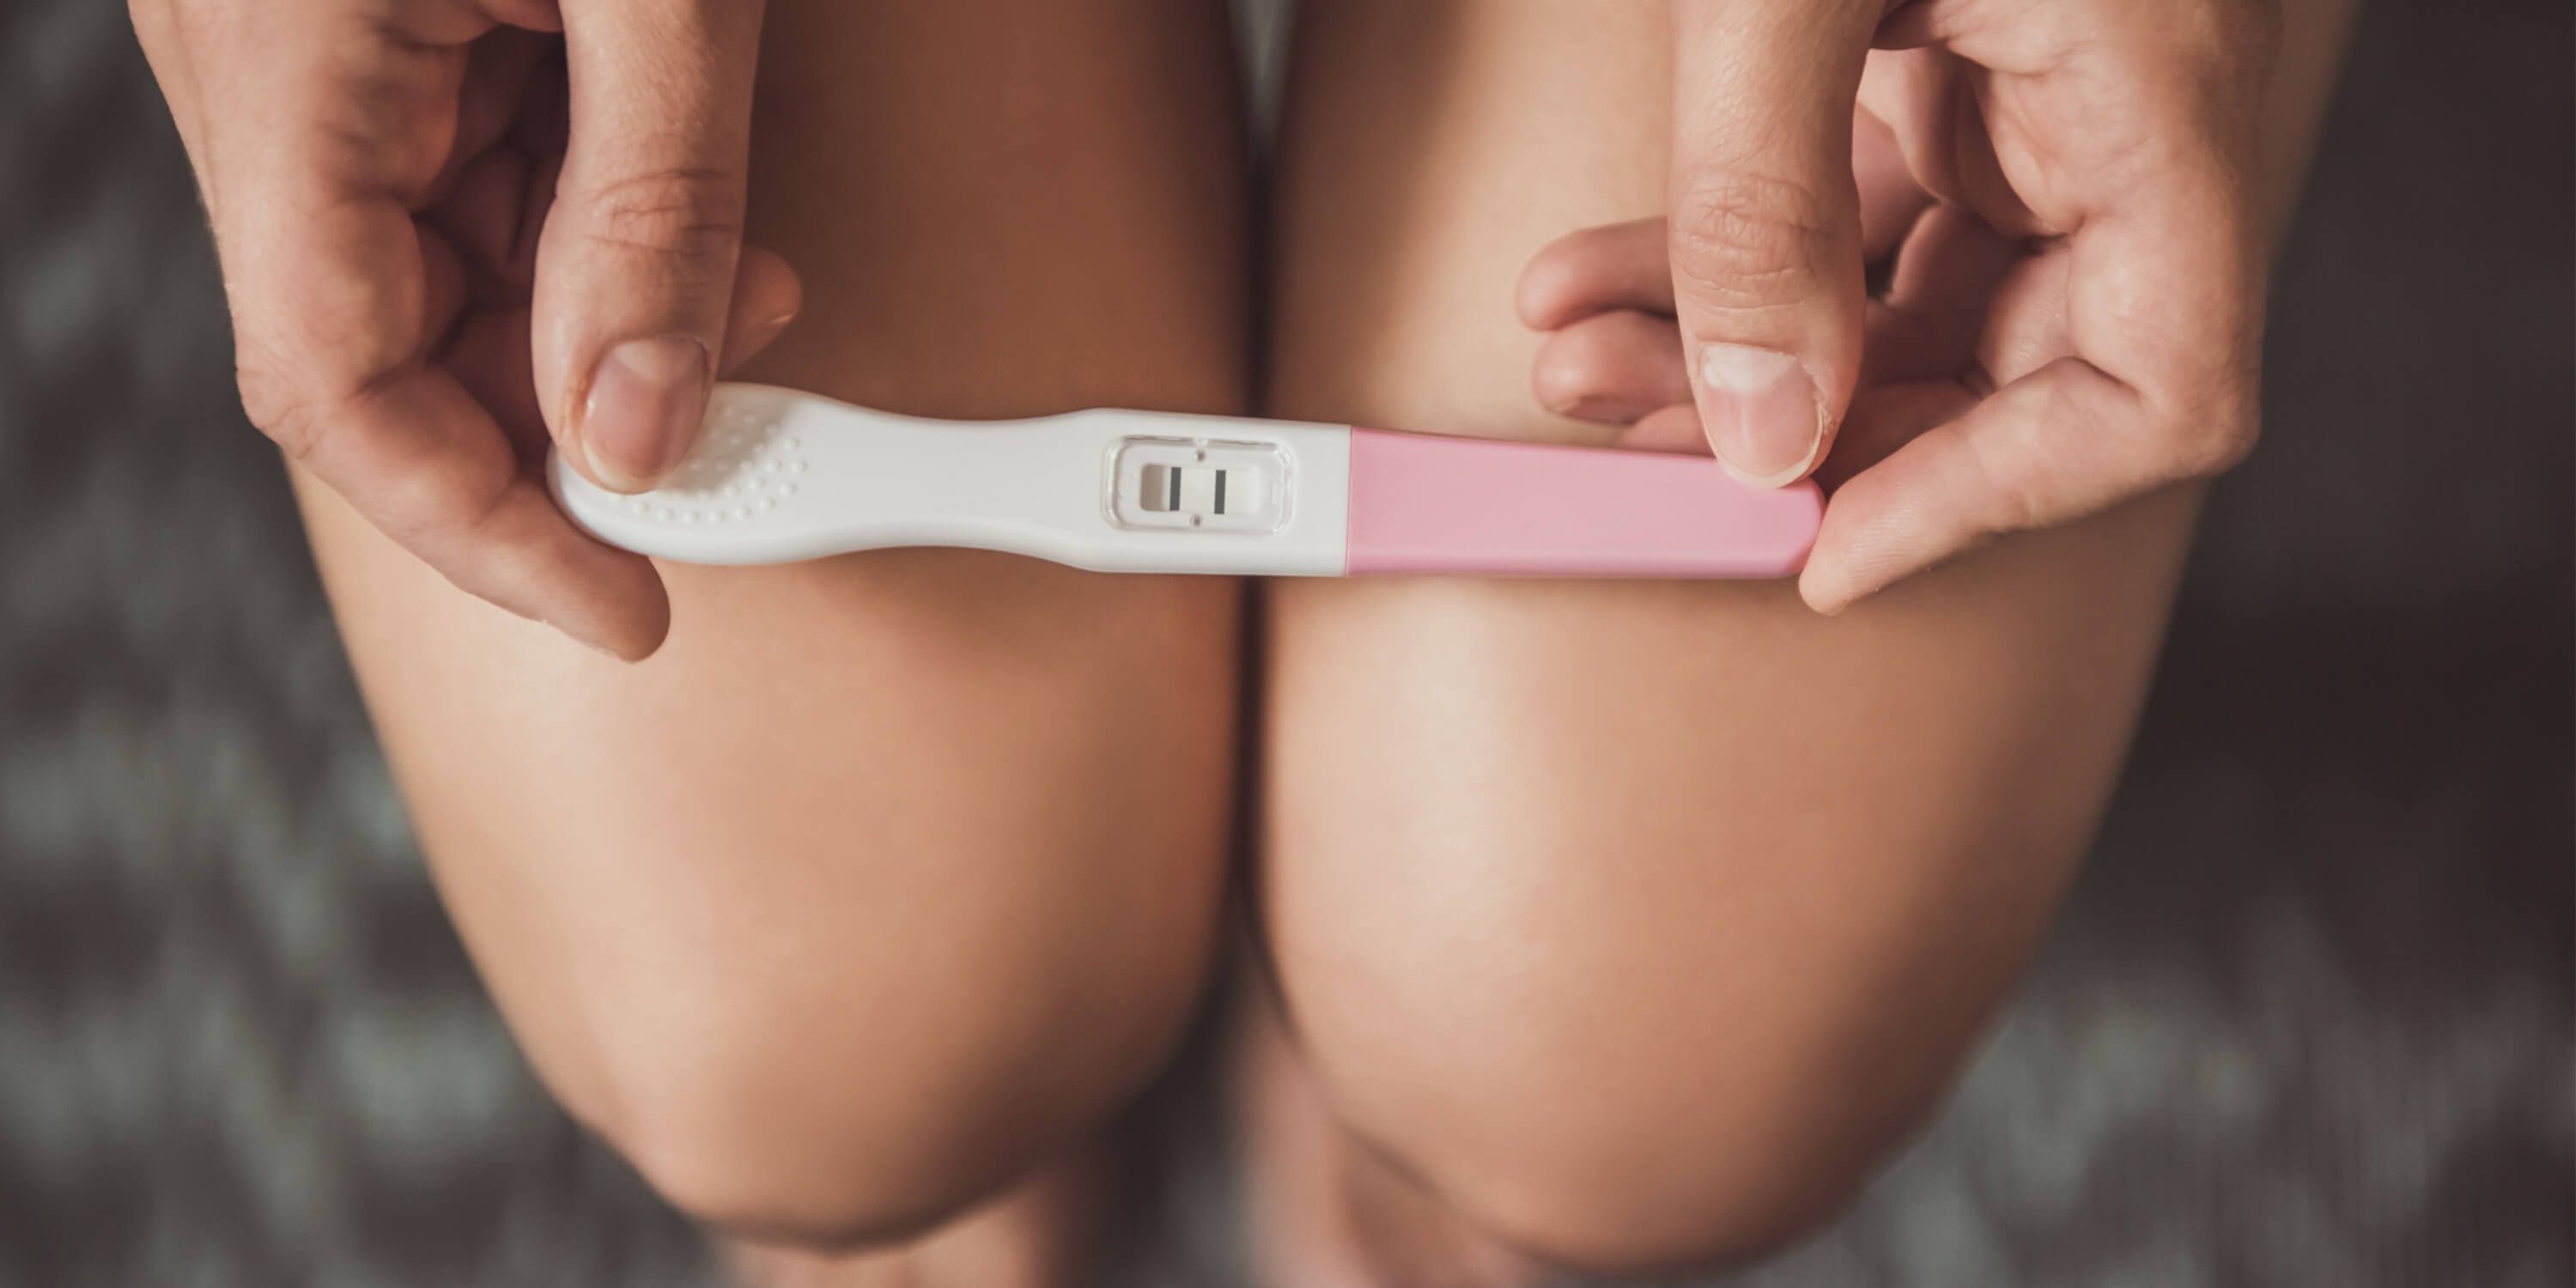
{"x":1630,"y":924}
{"x":891,"y":875}
{"x":1042,"y":1231}
{"x":1327,"y":1209}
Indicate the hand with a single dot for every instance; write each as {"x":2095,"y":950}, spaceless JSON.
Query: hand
{"x":2067,"y":187}
{"x":437,"y":254}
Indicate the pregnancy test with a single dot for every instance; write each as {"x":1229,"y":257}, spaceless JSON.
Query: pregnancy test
{"x":782,"y":476}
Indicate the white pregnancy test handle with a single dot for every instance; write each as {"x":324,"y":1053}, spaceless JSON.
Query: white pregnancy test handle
{"x":784,"y":476}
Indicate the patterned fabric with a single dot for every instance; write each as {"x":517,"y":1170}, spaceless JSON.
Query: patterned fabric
{"x":2306,"y":1022}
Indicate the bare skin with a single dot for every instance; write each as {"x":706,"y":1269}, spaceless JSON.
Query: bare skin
{"x":1042,"y":1230}
{"x":1628,"y":925}
{"x":1615,"y":926}
{"x":1633,"y":921}
{"x":886,"y":877}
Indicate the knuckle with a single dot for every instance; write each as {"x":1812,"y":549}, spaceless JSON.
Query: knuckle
{"x":1744,"y":241}
{"x":445,"y":501}
{"x":290,"y":419}
{"x":287,"y":389}
{"x":2213,"y":429}
{"x":2211,"y":441}
{"x":2018,"y":493}
{"x":684,"y":211}
{"x":296,"y":405}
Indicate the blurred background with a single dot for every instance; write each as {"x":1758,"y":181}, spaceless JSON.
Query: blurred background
{"x":2307,"y":1020}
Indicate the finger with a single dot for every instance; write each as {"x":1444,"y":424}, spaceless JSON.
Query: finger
{"x":2140,"y":133}
{"x":1629,"y":266}
{"x":1934,"y":316}
{"x":484,"y":214}
{"x":2142,"y":148}
{"x":767,"y":296}
{"x":1890,"y":200}
{"x":423,"y":461}
{"x":1766,"y":236}
{"x":412,"y":452}
{"x":2135,"y":133}
{"x":1668,"y":429}
{"x":490,"y":353}
{"x":1594,"y":270}
{"x":2027,"y":323}
{"x":336,"y":299}
{"x":636,"y":266}
{"x":1881,"y":420}
{"x":1611,"y":368}
{"x":1928,"y":101}
{"x":2164,"y":286}
{"x":489,"y":356}
{"x":498,"y":69}
{"x":2059,"y":444}
{"x":1886,"y":418}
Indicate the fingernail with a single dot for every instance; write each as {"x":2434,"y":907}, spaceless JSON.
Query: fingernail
{"x":645,"y":402}
{"x":1765,"y":420}
{"x":753,"y":338}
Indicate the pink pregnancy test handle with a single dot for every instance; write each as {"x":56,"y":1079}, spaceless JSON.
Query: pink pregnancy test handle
{"x":1422,"y":503}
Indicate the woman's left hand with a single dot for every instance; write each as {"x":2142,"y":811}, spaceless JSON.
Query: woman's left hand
{"x":2068,"y":190}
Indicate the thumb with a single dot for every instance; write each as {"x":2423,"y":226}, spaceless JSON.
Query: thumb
{"x":635,"y":269}
{"x":1766,"y":244}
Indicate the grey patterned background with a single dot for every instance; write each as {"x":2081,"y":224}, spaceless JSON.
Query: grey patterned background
{"x":2307,"y":1021}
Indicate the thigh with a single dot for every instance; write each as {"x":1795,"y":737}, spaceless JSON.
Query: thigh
{"x":1622,"y":911}
{"x":886,"y":858}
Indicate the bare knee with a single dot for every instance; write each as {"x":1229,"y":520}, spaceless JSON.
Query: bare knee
{"x":856,"y":1093}
{"x":1613,"y":1078}
{"x":1581,"y":1168}
{"x":1675,"y":1187}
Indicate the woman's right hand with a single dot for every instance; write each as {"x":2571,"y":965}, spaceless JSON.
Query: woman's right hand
{"x":448,"y":237}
